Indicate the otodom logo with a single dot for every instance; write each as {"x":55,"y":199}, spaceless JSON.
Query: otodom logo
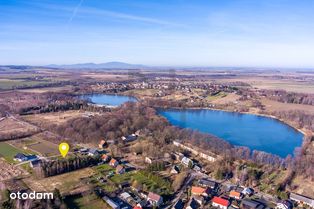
{"x":31,"y":195}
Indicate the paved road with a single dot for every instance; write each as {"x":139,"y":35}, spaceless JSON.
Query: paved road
{"x":188,"y":180}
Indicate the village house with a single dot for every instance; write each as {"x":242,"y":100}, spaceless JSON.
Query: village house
{"x":105,"y":158}
{"x":102,"y":144}
{"x":113,"y":162}
{"x":195,"y":152}
{"x":251,"y":204}
{"x":207,"y":157}
{"x":197,"y":168}
{"x":32,"y":157}
{"x":125,"y":196}
{"x":83,"y":151}
{"x":236,"y":195}
{"x":228,"y":187}
{"x":220,"y":202}
{"x":93,"y":152}
{"x":111,"y":203}
{"x":303,"y":200}
{"x":248,"y":191}
{"x":22,"y":157}
{"x":187,"y":162}
{"x":199,"y":199}
{"x":208,"y":183}
{"x":129,"y":138}
{"x":120,"y":169}
{"x":284,"y":205}
{"x":138,"y":207}
{"x":154,"y":199}
{"x":192,"y":204}
{"x":200,"y":191}
{"x":35,"y":163}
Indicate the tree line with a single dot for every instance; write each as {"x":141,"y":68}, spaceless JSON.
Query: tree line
{"x":52,"y":168}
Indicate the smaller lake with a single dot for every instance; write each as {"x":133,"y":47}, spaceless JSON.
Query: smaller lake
{"x":108,"y":99}
{"x":256,"y":132}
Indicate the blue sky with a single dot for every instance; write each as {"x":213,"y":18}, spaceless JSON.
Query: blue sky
{"x":266,"y":33}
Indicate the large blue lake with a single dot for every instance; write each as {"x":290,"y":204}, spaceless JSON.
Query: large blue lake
{"x":256,"y":132}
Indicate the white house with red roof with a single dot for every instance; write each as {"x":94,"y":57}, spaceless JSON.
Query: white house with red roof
{"x":154,"y":199}
{"x":113,"y":162}
{"x":220,"y":202}
{"x":120,"y":169}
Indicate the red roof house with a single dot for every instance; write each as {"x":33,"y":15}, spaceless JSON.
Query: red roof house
{"x":105,"y":157}
{"x":154,"y":199}
{"x":220,"y":202}
{"x":113,"y":162}
{"x":120,"y":169}
{"x":200,"y":191}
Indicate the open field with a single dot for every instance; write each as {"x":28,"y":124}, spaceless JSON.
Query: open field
{"x":38,"y":145}
{"x":47,"y":89}
{"x":46,"y":148}
{"x":66,"y":183}
{"x":9,"y":124}
{"x":278,"y":106}
{"x":224,"y":99}
{"x":6,"y":84}
{"x":9,"y":128}
{"x":142,"y":92}
{"x":218,"y":96}
{"x":120,"y":178}
{"x":287,"y":83}
{"x":54,"y":118}
{"x":8,"y":152}
{"x":303,"y":186}
{"x":89,"y":201}
{"x":103,"y":76}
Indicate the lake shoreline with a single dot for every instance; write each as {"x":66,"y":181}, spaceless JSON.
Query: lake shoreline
{"x":305,"y":132}
{"x":159,"y":109}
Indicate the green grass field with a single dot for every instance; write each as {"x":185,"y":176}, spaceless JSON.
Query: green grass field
{"x":90,"y":201}
{"x":217,"y":96}
{"x":6,"y":84}
{"x":153,"y":182}
{"x":119,"y":178}
{"x":104,"y":168}
{"x":7,"y":151}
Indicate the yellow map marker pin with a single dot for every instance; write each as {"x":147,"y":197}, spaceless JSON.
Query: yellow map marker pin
{"x":64,"y":148}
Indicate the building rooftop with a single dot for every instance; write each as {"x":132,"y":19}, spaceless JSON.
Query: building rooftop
{"x":154,"y":196}
{"x":220,"y":201}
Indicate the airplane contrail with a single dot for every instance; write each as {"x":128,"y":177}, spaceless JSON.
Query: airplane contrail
{"x":75,"y":11}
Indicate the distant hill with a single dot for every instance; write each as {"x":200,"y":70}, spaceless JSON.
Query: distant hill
{"x":107,"y":65}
